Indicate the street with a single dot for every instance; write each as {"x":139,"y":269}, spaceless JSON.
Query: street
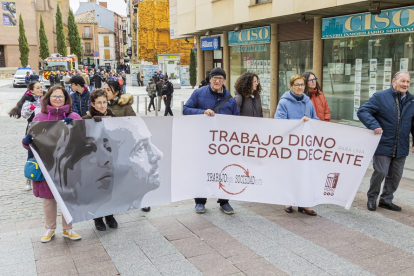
{"x":259,"y":239}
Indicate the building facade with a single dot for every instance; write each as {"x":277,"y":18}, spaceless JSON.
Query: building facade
{"x":353,"y":47}
{"x":31,"y":10}
{"x":88,"y":31}
{"x":107,"y":48}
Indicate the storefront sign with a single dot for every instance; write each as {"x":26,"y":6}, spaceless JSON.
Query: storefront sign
{"x":249,"y":48}
{"x":400,"y":20}
{"x":210,"y":43}
{"x":250,"y":36}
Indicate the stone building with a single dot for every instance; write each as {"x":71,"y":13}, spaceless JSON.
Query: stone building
{"x":31,"y":11}
{"x":88,"y":31}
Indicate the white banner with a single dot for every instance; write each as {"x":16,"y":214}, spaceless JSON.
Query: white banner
{"x":287,"y":162}
{"x":101,"y":168}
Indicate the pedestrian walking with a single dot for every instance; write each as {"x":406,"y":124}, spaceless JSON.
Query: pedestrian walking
{"x":247,"y":96}
{"x":141,"y":78}
{"x":98,"y":79}
{"x":167,"y":94}
{"x":152,"y":91}
{"x":56,"y":106}
{"x":25,"y":108}
{"x":27,"y":78}
{"x":80,"y":95}
{"x":389,"y":112}
{"x":315,"y":94}
{"x":295,"y":105}
{"x":123,"y":76}
{"x":97,"y":111}
{"x":159,"y":93}
{"x":209,"y":100}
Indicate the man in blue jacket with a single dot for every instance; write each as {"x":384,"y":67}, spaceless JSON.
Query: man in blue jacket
{"x":390,"y":113}
{"x":81,"y":97}
{"x":209,"y":100}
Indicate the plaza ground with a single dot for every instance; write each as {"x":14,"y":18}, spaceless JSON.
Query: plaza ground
{"x":259,"y":239}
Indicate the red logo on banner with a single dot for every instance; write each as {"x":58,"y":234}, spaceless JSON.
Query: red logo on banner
{"x":330,"y":184}
{"x":228,"y":189}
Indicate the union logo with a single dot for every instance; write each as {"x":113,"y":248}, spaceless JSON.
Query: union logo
{"x":331,"y":184}
{"x":215,"y":43}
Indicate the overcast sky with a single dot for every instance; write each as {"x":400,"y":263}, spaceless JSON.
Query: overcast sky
{"x":118,"y":6}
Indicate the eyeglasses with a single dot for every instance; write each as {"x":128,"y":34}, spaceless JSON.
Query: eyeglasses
{"x":299,"y":85}
{"x":101,"y":103}
{"x":315,"y":79}
{"x":218,"y":78}
{"x":57,"y":97}
{"x":256,"y":81}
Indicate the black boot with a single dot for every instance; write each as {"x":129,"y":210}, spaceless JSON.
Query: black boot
{"x":110,"y":220}
{"x":146,"y":209}
{"x":99,"y":224}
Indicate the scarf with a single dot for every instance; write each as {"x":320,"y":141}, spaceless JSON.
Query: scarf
{"x":93,"y":112}
{"x":298,"y":98}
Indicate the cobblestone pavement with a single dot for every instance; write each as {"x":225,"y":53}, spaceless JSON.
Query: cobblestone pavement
{"x":260,"y":239}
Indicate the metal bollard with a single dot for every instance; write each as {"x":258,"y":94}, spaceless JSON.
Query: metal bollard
{"x":137,"y":103}
{"x":182,"y":107}
{"x":156,"y":106}
{"x":146,"y":110}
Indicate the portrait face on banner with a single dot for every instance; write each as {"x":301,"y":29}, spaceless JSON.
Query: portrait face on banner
{"x":137,"y":163}
{"x":9,"y":13}
{"x":98,"y":167}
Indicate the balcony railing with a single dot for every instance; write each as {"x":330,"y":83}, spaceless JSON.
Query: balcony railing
{"x":87,"y":36}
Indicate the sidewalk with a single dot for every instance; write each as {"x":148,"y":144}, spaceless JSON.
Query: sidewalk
{"x":259,"y":239}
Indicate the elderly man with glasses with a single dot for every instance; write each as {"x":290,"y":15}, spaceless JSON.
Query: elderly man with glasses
{"x":209,"y":100}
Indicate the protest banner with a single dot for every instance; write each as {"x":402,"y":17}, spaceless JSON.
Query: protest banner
{"x":102,"y":168}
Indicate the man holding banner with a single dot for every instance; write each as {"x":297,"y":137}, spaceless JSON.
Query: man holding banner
{"x":389,"y":112}
{"x":211,"y":99}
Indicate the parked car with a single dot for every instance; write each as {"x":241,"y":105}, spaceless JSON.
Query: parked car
{"x":18,"y":79}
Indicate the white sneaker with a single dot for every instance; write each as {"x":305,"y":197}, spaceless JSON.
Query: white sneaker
{"x":71,"y":235}
{"x":48,"y":235}
{"x":28,"y":185}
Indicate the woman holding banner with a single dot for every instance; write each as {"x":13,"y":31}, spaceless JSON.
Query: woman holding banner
{"x":57,"y":105}
{"x":295,"y":105}
{"x":248,"y":95}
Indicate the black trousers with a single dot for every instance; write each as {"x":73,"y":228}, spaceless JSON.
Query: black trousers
{"x":167,"y":102}
{"x":204,"y":200}
{"x":151,"y":103}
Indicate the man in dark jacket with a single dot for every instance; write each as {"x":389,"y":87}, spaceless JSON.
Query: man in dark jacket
{"x":27,"y":78}
{"x":211,"y":99}
{"x":159,"y":93}
{"x":80,"y":96}
{"x":167,"y":92}
{"x":390,"y":113}
{"x":34,"y":77}
{"x":98,"y":79}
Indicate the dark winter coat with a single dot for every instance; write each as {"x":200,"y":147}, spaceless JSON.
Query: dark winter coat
{"x":151,"y":89}
{"x":382,"y":111}
{"x":34,"y":77}
{"x":205,"y":98}
{"x":92,"y":112}
{"x":250,"y":106}
{"x":122,"y":105}
{"x":98,"y":80}
{"x":159,"y":88}
{"x":167,"y":89}
{"x":81,"y":102}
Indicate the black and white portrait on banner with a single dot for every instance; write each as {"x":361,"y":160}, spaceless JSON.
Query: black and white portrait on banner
{"x":101,"y":168}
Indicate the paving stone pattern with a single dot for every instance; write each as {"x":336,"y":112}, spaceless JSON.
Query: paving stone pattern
{"x":259,"y":239}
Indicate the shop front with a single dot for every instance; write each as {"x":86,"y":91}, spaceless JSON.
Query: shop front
{"x":212,"y":52}
{"x":361,"y":54}
{"x":250,"y":51}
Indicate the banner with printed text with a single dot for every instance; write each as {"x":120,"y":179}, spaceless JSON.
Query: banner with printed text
{"x":101,"y":168}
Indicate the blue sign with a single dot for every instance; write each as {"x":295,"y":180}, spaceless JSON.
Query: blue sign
{"x":400,"y":20}
{"x":96,"y":54}
{"x":210,"y":43}
{"x":250,"y":36}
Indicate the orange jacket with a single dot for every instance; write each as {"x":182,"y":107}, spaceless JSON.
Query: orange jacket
{"x":321,"y":106}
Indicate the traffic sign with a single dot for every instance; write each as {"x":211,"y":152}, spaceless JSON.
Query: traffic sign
{"x":96,"y":54}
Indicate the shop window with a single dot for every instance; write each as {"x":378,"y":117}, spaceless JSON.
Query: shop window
{"x":106,"y":41}
{"x":262,"y":1}
{"x":253,"y":58}
{"x":355,"y":68}
{"x":107,"y":54}
{"x":295,"y":57}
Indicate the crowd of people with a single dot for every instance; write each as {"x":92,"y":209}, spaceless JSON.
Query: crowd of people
{"x":94,"y":95}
